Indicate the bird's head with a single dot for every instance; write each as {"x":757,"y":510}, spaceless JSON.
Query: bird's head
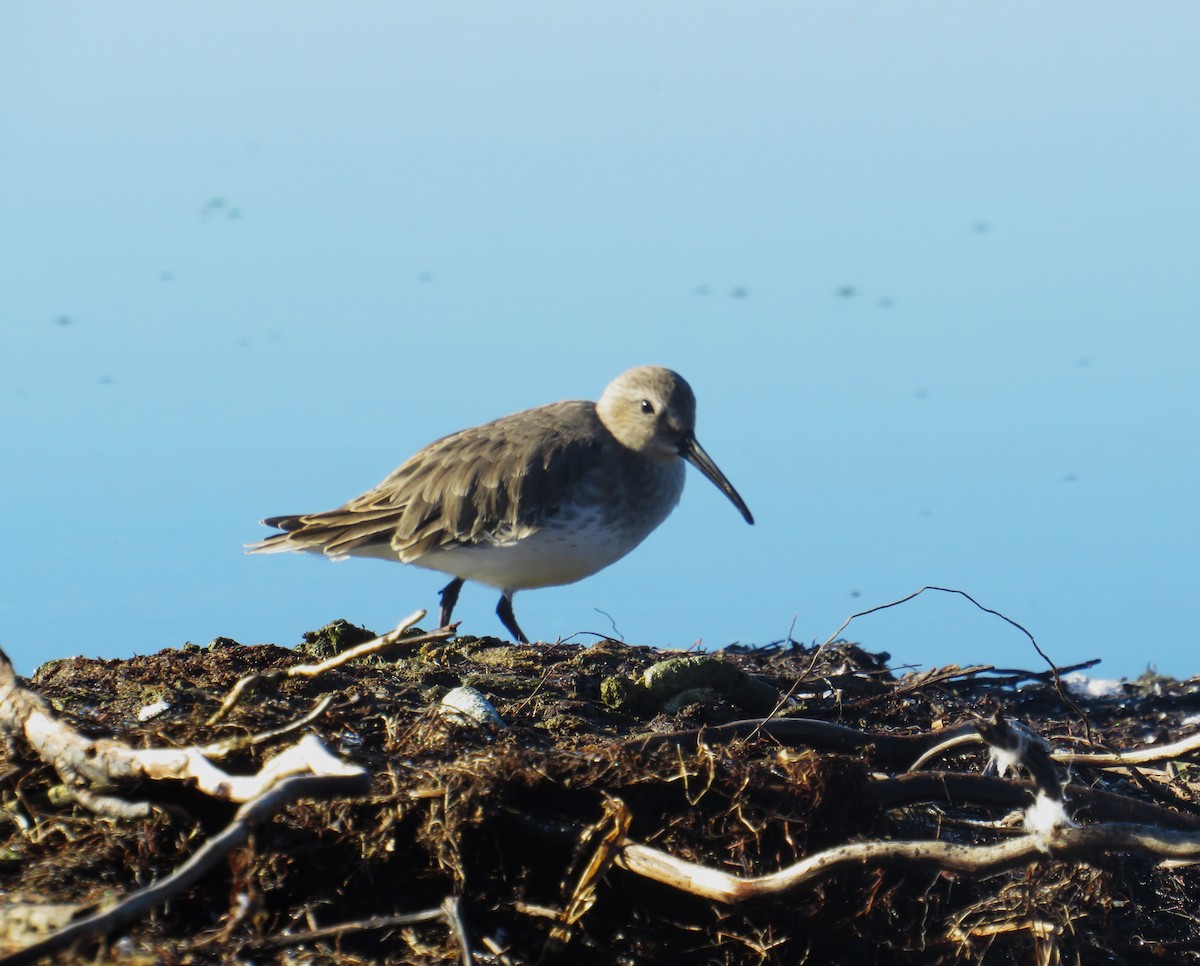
{"x":652,"y":411}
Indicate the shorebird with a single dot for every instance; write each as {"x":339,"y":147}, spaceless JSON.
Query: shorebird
{"x":540,"y":498}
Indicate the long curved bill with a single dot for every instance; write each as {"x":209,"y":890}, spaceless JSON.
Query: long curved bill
{"x":694,"y":453}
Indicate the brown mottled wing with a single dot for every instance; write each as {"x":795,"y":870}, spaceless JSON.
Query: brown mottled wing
{"x":492,"y":482}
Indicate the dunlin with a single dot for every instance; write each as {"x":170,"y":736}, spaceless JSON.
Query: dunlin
{"x":540,"y":498}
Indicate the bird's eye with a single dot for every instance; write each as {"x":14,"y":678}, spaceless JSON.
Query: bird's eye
{"x":647,"y":407}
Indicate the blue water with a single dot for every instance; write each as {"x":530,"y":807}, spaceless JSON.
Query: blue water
{"x":931,"y":273}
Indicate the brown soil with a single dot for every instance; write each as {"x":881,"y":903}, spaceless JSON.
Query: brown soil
{"x":505,"y":818}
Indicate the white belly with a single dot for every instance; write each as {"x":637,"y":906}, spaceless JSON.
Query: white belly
{"x":575,"y":542}
{"x":548,"y":557}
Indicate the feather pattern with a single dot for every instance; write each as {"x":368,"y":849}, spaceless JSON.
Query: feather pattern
{"x":542,"y":497}
{"x":494,"y":484}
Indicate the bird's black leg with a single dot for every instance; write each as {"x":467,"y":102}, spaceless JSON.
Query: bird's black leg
{"x":449,"y":595}
{"x":509,"y":620}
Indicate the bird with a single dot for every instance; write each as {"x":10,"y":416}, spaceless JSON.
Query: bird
{"x":540,"y":498}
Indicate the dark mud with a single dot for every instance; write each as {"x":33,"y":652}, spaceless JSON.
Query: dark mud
{"x":505,"y":819}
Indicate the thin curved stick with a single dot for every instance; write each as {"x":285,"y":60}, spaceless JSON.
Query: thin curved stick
{"x":381,"y":643}
{"x":138,"y":904}
{"x":1065,"y":843}
{"x":1058,"y":685}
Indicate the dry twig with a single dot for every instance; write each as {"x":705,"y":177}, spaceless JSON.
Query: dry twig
{"x":384,"y":642}
{"x":138,"y":904}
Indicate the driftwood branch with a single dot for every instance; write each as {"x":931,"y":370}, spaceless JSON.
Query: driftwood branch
{"x":908,"y":751}
{"x":338,"y":930}
{"x":138,"y":904}
{"x":1068,"y":843}
{"x":449,"y":912}
{"x":1050,"y":832}
{"x":1132,"y":756}
{"x":729,"y":797}
{"x":807,"y":732}
{"x":227,"y":746}
{"x":982,"y":791}
{"x":1171,"y":751}
{"x":384,"y":642}
{"x":92,"y":767}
